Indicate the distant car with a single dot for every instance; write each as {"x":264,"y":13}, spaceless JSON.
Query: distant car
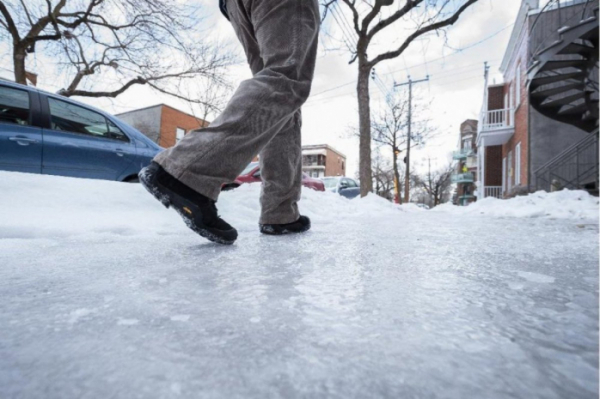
{"x":344,"y":186}
{"x":252,"y":175}
{"x":49,"y":134}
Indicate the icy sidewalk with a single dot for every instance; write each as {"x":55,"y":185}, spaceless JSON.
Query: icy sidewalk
{"x":106,"y":294}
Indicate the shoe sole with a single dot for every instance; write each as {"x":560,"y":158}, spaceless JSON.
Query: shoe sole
{"x":271,"y":232}
{"x":167,"y":202}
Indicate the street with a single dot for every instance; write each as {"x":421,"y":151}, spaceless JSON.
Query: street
{"x":106,"y":294}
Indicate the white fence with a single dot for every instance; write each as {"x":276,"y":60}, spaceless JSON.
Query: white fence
{"x":498,"y":119}
{"x":493,"y":191}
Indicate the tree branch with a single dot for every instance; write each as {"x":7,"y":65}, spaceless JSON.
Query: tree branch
{"x":10,"y":23}
{"x":422,"y":31}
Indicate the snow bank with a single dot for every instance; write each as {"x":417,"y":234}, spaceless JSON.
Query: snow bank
{"x":50,"y":207}
{"x":565,"y":204}
{"x":38,"y":206}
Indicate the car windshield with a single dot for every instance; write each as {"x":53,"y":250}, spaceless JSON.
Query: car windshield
{"x":250,"y":166}
{"x":331,"y":182}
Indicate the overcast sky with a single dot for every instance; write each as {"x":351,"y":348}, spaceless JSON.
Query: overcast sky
{"x":454,"y":91}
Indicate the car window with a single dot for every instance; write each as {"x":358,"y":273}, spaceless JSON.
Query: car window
{"x":73,"y":118}
{"x":330,"y":182}
{"x":14,"y":106}
{"x":351,"y":183}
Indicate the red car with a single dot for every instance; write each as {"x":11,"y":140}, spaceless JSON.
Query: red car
{"x":252,"y":175}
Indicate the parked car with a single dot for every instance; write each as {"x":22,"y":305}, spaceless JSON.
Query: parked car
{"x":344,"y":186}
{"x":252,"y":175}
{"x":49,"y":134}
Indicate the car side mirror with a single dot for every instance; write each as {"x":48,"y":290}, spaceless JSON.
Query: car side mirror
{"x":343,"y":186}
{"x":256,"y":174}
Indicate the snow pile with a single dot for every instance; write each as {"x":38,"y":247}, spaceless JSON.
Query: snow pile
{"x":565,"y":204}
{"x":38,"y":207}
{"x":50,"y":207}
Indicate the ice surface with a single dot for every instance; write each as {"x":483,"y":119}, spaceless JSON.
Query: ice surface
{"x":106,"y":294}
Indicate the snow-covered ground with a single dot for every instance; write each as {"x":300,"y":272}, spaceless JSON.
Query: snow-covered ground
{"x":106,"y":294}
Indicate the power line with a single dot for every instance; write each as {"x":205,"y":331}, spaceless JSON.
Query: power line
{"x":406,"y":68}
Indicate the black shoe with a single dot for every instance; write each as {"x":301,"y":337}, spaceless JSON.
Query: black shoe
{"x":198,"y":212}
{"x":299,"y":226}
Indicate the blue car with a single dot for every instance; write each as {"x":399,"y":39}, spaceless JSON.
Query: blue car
{"x":49,"y":134}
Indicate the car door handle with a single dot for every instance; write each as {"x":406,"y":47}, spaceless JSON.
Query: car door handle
{"x":119,"y":152}
{"x":23,"y":140}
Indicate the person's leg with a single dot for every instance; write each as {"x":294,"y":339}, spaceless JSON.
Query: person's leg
{"x":285,"y":34}
{"x":281,"y":173}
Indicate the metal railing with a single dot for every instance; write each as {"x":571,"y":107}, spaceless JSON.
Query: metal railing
{"x":575,"y":168}
{"x":497,"y":119}
{"x":492,"y":191}
{"x":462,"y":178}
{"x":552,"y":20}
{"x":462,"y":153}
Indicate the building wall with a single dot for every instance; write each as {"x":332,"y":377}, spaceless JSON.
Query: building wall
{"x":518,"y":99}
{"x":173,"y":119}
{"x":335,"y":164}
{"x":146,"y":120}
{"x":547,"y":137}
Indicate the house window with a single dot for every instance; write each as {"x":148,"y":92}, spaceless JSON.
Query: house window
{"x":518,"y":164}
{"x":467,"y":144}
{"x":518,"y":85}
{"x":179,"y":133}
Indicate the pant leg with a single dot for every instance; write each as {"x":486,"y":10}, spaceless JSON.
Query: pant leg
{"x":285,"y":34}
{"x":281,"y":173}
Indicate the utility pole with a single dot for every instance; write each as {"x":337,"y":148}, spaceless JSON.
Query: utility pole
{"x":407,"y":159}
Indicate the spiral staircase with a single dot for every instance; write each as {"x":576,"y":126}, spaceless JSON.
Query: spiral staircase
{"x":563,"y":85}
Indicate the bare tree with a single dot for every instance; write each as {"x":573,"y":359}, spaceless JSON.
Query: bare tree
{"x":390,"y":129}
{"x":383,"y":174}
{"x":369,"y":19}
{"x":105,"y":47}
{"x":436,"y":183}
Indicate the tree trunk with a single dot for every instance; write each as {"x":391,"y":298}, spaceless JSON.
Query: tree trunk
{"x":364,"y":117}
{"x":19,"y":65}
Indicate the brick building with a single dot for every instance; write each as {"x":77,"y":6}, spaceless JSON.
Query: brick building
{"x":322,"y":161}
{"x":514,"y":139}
{"x":466,"y":168}
{"x":163,"y":124}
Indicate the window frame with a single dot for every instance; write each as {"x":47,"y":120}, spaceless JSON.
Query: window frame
{"x":177,"y":129}
{"x":518,"y":85}
{"x":47,"y":111}
{"x":518,"y":164}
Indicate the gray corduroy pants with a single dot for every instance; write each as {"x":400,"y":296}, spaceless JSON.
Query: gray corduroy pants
{"x":263,"y":116}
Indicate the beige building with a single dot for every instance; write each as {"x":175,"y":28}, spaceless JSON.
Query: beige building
{"x":323,"y":161}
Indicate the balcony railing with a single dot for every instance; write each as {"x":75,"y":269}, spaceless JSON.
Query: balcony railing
{"x":462,"y":178}
{"x":498,"y":119}
{"x":463,"y":153}
{"x":492,"y":191}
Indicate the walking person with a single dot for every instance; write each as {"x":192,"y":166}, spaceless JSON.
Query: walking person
{"x":263,"y":117}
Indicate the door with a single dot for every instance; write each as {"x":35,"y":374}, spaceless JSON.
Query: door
{"x":83,"y":143}
{"x":20,"y":141}
{"x":351,"y":188}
